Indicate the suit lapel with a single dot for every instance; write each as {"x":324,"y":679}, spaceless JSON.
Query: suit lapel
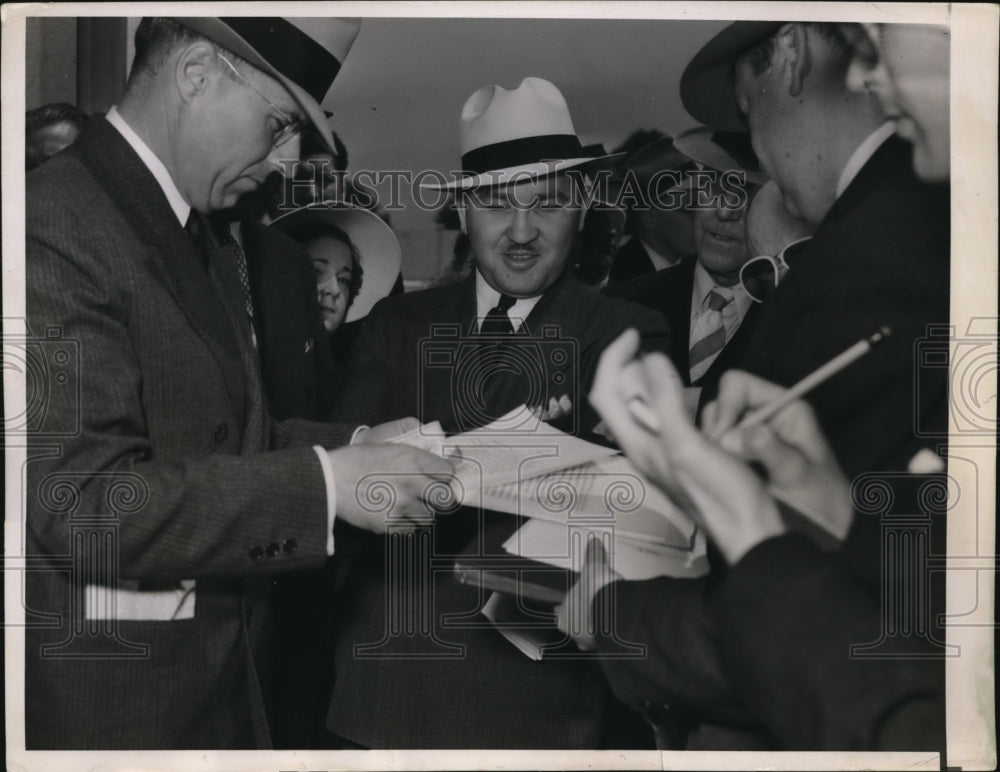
{"x":172,"y":256}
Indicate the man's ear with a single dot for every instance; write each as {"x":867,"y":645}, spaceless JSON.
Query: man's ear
{"x":795,"y":57}
{"x":460,"y":208}
{"x":194,"y":68}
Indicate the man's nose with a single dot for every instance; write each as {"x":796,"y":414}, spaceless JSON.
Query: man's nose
{"x":729,"y":213}
{"x":522,"y":228}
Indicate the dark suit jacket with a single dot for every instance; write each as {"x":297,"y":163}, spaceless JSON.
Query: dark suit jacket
{"x":460,"y":684}
{"x":631,"y":260}
{"x":669,"y":292}
{"x":156,"y":444}
{"x":296,"y":362}
{"x":879,"y":258}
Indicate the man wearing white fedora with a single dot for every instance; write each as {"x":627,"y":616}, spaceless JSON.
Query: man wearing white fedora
{"x":161,"y":497}
{"x":466,"y":354}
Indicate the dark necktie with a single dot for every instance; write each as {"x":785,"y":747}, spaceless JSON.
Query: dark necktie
{"x":496,"y":321}
{"x":240,"y":259}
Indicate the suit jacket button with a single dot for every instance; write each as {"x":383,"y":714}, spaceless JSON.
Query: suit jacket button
{"x":256,"y":552}
{"x":273,"y":549}
{"x":290,"y":545}
{"x":221,"y":432}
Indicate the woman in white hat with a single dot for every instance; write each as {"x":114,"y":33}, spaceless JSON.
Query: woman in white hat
{"x":357,"y":260}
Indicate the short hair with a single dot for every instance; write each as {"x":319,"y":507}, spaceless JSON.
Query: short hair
{"x":156,"y":37}
{"x":760,"y":55}
{"x":42,"y":118}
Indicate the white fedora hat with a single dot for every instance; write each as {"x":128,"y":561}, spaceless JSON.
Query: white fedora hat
{"x":376,"y":245}
{"x":517,"y":135}
{"x":304,"y":55}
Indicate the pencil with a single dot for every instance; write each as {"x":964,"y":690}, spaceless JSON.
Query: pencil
{"x":814,"y":379}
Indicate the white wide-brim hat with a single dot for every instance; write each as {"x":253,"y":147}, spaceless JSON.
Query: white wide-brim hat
{"x":517,"y":135}
{"x":376,"y":245}
{"x":304,"y":55}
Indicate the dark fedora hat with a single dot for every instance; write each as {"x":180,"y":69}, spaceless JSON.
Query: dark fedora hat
{"x":708,"y":88}
{"x":304,"y":55}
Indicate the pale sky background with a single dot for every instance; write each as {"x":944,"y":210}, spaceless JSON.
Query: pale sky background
{"x":398,"y":99}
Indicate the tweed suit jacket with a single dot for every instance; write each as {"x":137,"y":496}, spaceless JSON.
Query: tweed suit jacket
{"x":880,"y":257}
{"x":159,"y":444}
{"x":669,"y":292}
{"x":462,"y":685}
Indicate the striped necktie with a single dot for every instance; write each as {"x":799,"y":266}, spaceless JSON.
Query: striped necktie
{"x":496,"y":322}
{"x":708,"y":332}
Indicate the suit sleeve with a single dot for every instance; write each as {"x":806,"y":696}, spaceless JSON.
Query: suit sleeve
{"x":680,"y":668}
{"x":180,"y":514}
{"x":790,"y":660}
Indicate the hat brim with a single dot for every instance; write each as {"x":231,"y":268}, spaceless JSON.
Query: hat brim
{"x":521,"y":173}
{"x":708,"y":88}
{"x":698,"y":146}
{"x":219,"y":32}
{"x":377,"y":246}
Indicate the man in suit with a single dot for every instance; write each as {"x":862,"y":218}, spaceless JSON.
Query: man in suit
{"x":161,"y":496}
{"x":659,"y":237}
{"x":706,"y":340}
{"x":879,"y":257}
{"x":520,"y":330}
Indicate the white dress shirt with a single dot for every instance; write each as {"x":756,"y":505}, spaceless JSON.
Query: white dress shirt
{"x":487,"y":299}
{"x":182,"y":210}
{"x":703,"y":285}
{"x":863,"y":153}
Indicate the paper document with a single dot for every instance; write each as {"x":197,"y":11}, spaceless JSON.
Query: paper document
{"x":553,"y":544}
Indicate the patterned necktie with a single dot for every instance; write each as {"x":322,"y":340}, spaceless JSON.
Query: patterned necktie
{"x":708,"y":332}
{"x":496,"y":321}
{"x":239,"y":258}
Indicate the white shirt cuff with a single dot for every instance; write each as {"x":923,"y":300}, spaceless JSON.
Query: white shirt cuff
{"x":331,"y":495}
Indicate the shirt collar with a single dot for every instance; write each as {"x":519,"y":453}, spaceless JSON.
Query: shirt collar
{"x":180,"y":207}
{"x":487,"y":298}
{"x":704,"y":284}
{"x":659,"y":260}
{"x":863,"y":152}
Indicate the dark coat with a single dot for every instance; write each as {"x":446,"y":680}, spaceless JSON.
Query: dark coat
{"x":768,"y":643}
{"x":159,"y":442}
{"x":453,"y":681}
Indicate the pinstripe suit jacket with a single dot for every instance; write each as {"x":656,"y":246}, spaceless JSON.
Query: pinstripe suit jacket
{"x":462,"y":685}
{"x":147,"y":469}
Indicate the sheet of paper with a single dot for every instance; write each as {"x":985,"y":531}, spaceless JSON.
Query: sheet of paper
{"x":502,"y":611}
{"x":553,"y":543}
{"x":493,"y":455}
{"x":610,"y":491}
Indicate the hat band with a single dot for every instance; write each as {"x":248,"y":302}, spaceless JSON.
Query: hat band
{"x":518,"y":152}
{"x":290,"y":51}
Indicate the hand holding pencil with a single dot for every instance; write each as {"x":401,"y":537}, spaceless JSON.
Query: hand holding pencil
{"x":639,"y":400}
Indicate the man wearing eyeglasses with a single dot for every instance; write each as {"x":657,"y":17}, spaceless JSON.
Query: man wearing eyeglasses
{"x":163,"y":497}
{"x":520,"y":330}
{"x":709,"y":312}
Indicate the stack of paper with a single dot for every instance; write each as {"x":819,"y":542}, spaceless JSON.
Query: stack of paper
{"x":571,"y":489}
